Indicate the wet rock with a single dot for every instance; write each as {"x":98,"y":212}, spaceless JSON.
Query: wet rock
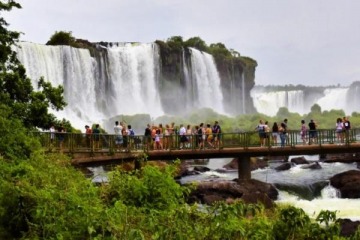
{"x":308,"y":192}
{"x":250,"y":191}
{"x":283,"y":167}
{"x":348,"y":183}
{"x":314,"y":165}
{"x":348,"y":227}
{"x":299,"y":160}
{"x":201,"y":169}
{"x":342,"y":157}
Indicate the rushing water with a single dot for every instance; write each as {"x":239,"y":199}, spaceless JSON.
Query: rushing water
{"x":302,"y":182}
{"x":120,"y":79}
{"x":342,"y":98}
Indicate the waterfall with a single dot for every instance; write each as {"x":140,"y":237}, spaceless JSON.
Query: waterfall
{"x":133,"y":72}
{"x":122,"y":79}
{"x":334,"y":98}
{"x":243,"y":92}
{"x":71,"y":67}
{"x":341,"y":98}
{"x":269,"y":102}
{"x":191,"y":90}
{"x":206,"y":76}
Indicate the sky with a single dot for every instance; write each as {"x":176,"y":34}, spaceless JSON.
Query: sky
{"x":309,"y":42}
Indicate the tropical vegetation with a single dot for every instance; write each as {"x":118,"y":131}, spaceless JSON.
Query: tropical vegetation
{"x":44,"y":197}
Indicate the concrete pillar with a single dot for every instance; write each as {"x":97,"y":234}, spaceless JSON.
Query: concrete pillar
{"x":244,"y":170}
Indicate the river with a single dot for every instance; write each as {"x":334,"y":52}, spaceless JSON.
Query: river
{"x":308,"y":189}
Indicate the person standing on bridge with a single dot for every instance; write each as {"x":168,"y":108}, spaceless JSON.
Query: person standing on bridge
{"x":118,"y":135}
{"x":312,"y":132}
{"x":339,"y":129}
{"x":96,"y":135}
{"x":347,"y":127}
{"x":88,"y":133}
{"x":147,"y":137}
{"x":217,"y":134}
{"x":283,"y":132}
{"x":261,"y":129}
{"x":303,"y":131}
{"x":275,"y":133}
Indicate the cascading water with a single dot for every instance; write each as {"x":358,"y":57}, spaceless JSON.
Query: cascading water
{"x":71,"y":67}
{"x":132,"y":73}
{"x":269,"y":102}
{"x":299,"y":180}
{"x":206,"y":76}
{"x":334,"y":98}
{"x":123,"y":80}
{"x":243,"y":93}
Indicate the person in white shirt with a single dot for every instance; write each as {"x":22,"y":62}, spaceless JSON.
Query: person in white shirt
{"x":118,"y":135}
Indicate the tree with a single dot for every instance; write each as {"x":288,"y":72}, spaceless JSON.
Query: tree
{"x":196,"y":42}
{"x":16,"y":90}
{"x":282,"y":113}
{"x":62,"y":38}
{"x":315,"y":109}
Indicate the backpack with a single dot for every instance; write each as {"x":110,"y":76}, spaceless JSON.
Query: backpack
{"x":131,"y":132}
{"x":199,"y":132}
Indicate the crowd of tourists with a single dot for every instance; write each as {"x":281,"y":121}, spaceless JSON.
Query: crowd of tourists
{"x":308,"y":133}
{"x":159,"y":137}
{"x":202,"y":136}
{"x":155,"y":137}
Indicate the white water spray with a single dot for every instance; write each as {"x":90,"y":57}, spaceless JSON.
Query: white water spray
{"x":207,"y":79}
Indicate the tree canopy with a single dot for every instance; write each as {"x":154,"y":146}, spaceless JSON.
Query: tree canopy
{"x":16,"y":89}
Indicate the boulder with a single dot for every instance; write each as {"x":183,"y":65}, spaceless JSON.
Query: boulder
{"x":314,"y":165}
{"x":201,"y":169}
{"x":348,"y":183}
{"x":342,"y":157}
{"x":283,"y":167}
{"x":299,"y":160}
{"x":250,"y":191}
{"x":348,"y":227}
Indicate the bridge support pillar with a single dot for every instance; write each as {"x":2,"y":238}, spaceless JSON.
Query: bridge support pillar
{"x":244,"y":170}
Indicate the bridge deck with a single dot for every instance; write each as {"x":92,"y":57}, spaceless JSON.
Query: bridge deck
{"x":245,"y":144}
{"x":91,"y":158}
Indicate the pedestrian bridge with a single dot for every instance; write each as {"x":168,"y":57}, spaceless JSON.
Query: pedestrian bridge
{"x":101,"y":149}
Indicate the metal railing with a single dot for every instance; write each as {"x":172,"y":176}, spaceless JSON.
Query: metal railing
{"x":78,"y":142}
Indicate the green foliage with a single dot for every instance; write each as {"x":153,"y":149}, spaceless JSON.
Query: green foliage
{"x":55,"y":199}
{"x":8,"y":38}
{"x":175,"y":43}
{"x":219,"y":51}
{"x":283,"y":113}
{"x":16,"y":90}
{"x":150,"y":188}
{"x":293,"y":223}
{"x":196,"y":42}
{"x":315,"y":109}
{"x":14,"y":142}
{"x":62,"y":38}
{"x":248,"y":62}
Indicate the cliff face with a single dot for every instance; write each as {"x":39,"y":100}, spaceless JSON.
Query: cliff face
{"x":237,"y":77}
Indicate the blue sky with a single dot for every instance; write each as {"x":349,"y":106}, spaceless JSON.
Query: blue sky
{"x":315,"y":43}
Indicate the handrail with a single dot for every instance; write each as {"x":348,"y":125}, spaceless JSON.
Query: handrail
{"x":77,"y":142}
